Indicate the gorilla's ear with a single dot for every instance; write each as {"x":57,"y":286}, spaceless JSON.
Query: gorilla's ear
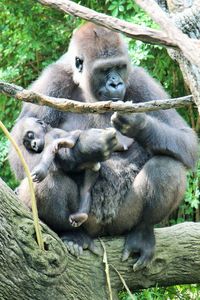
{"x":79,"y":63}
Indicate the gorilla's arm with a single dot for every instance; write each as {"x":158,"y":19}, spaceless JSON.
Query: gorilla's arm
{"x":162,"y":132}
{"x":56,"y":81}
{"x":40,"y":171}
{"x":178,"y":141}
{"x":94,"y":145}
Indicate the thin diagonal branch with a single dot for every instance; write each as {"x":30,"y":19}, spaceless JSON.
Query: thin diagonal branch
{"x":69,"y":105}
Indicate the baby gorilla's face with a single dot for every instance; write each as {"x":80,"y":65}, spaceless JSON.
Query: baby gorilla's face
{"x":34,"y":137}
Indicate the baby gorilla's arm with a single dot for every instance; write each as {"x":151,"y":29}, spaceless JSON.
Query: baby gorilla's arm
{"x":40,"y":172}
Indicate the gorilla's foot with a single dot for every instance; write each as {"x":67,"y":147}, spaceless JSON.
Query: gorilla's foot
{"x":77,"y":241}
{"x":141,"y":241}
{"x":77,"y":219}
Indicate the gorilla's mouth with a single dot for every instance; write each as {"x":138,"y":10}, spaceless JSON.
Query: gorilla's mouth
{"x":103,"y":97}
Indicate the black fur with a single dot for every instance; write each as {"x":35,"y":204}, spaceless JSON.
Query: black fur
{"x":136,"y":188}
{"x":39,"y":137}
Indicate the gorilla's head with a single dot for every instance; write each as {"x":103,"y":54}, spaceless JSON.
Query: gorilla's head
{"x":33,"y":133}
{"x":100,"y":63}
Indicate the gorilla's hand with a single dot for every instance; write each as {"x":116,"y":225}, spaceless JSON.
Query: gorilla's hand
{"x":129,"y":124}
{"x":39,"y":173}
{"x":95,"y":145}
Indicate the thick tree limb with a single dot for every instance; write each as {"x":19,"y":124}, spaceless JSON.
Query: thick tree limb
{"x":173,"y":37}
{"x":189,"y":47}
{"x":29,"y":273}
{"x":188,"y":21}
{"x":142,"y":33}
{"x":96,"y":107}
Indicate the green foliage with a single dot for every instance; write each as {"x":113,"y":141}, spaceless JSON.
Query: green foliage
{"x":32,"y":36}
{"x":192,"y":195}
{"x":179,"y":292}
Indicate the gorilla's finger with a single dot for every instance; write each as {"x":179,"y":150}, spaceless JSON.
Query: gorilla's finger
{"x":111,"y":140}
{"x":122,"y":118}
{"x":125,"y":128}
{"x":95,"y":249}
{"x":34,"y":177}
{"x":114,"y":118}
{"x":70,"y":247}
{"x":80,"y":250}
{"x":117,"y":124}
{"x":141,"y":263}
{"x":106,"y":154}
{"x":126,"y":254}
{"x":110,"y":131}
{"x":76,"y":250}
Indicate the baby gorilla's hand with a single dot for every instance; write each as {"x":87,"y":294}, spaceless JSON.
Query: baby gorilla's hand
{"x":95,"y":145}
{"x":129,"y":124}
{"x":39,"y":173}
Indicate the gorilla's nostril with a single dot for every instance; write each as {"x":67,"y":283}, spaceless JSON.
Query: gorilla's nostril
{"x":113,"y":85}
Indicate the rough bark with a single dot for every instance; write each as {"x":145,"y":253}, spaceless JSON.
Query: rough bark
{"x":171,"y":36}
{"x":187,"y":19}
{"x":189,"y":48}
{"x":134,"y":31}
{"x":88,"y":107}
{"x":30,"y":274}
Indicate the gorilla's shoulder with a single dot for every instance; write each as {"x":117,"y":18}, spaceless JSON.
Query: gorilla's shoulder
{"x":142,"y":87}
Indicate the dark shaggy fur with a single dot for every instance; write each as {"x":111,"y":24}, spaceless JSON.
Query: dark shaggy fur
{"x":136,"y":188}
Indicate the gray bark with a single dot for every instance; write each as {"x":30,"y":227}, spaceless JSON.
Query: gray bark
{"x":91,"y":107}
{"x":131,"y":30}
{"x":190,"y":49}
{"x":31,"y":274}
{"x":170,"y":37}
{"x":187,"y":19}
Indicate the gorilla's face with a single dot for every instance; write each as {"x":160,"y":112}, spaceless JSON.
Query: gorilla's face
{"x":108,"y":80}
{"x":34,"y":135}
{"x":104,"y":79}
{"x":100,"y":63}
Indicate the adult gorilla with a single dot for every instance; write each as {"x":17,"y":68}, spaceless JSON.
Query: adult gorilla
{"x":136,"y":188}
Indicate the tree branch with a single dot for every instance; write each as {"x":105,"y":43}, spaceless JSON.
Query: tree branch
{"x":188,"y":22}
{"x":55,"y":274}
{"x":21,"y":94}
{"x":141,"y":33}
{"x":190,"y":48}
{"x":172,"y":36}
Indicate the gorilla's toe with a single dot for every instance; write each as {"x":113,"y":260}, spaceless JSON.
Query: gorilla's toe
{"x":77,"y":241}
{"x":140,"y":241}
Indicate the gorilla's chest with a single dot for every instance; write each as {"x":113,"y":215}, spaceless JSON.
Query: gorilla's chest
{"x":74,"y":121}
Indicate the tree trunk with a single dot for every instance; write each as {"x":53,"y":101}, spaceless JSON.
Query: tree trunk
{"x":31,"y":274}
{"x":186,"y":14}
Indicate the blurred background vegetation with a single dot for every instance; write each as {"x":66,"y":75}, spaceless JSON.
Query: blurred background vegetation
{"x":32,"y":36}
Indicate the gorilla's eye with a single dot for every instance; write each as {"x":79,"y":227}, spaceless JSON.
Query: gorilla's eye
{"x":79,"y":64}
{"x":30,"y":135}
{"x":41,"y":123}
{"x":122,"y":67}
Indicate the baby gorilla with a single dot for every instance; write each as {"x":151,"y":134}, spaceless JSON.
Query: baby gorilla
{"x":50,"y":140}
{"x":43,"y":137}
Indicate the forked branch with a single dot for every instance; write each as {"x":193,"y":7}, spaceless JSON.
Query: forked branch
{"x":171,"y":36}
